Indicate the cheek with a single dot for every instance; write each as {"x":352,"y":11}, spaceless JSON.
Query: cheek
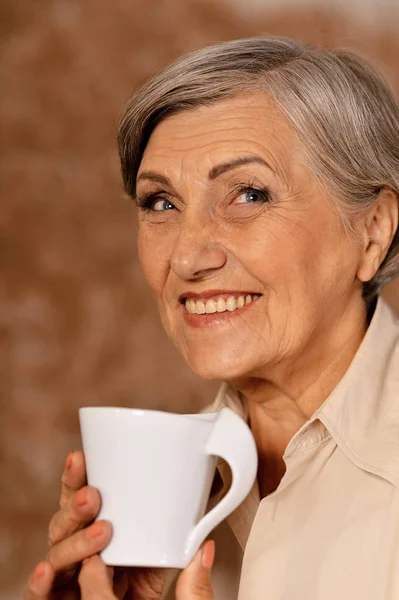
{"x":150,"y":255}
{"x":297,"y":256}
{"x":324,"y":258}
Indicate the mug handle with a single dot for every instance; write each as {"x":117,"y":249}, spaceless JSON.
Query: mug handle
{"x":232,"y":440}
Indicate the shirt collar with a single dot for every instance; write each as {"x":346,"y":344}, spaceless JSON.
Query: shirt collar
{"x":360,"y":414}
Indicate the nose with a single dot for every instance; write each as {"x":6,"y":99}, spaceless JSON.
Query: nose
{"x":196,"y":253}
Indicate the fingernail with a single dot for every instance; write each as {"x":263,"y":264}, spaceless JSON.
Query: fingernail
{"x":208,"y":555}
{"x":68,"y":462}
{"x":81,"y":497}
{"x":39,"y":570}
{"x":95,"y":530}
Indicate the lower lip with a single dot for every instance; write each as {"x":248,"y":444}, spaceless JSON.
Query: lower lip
{"x":211,"y":319}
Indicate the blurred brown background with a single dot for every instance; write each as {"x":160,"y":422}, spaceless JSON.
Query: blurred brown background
{"x":78,"y":325}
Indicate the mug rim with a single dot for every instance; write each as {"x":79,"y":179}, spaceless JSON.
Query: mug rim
{"x":207,"y":417}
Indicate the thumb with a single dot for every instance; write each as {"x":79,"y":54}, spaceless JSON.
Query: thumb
{"x":194,"y":583}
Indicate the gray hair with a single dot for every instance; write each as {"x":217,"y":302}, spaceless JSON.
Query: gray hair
{"x":344,"y":113}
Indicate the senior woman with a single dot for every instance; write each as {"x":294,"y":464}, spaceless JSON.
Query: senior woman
{"x":266,"y":175}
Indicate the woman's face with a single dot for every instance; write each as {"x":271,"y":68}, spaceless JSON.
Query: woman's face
{"x":249,"y":261}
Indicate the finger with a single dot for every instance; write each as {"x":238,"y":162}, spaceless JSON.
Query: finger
{"x":73,"y":477}
{"x":68,"y":553}
{"x":82,"y":507}
{"x":40,"y":582}
{"x":194,"y":583}
{"x":95,"y":580}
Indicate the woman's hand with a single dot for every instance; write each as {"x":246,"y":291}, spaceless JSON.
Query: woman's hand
{"x":72,"y":538}
{"x":96,"y":580}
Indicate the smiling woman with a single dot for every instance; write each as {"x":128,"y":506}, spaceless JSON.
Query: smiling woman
{"x":266,"y":176}
{"x":225,"y":197}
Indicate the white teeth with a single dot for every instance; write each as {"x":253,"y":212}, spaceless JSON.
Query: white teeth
{"x":200,"y":306}
{"x":190,"y":307}
{"x":210,"y":306}
{"x":240,"y":301}
{"x":231,"y":304}
{"x":220,"y":305}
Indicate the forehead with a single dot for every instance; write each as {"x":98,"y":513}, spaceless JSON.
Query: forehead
{"x":244,"y":125}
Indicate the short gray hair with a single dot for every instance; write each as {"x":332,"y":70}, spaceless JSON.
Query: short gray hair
{"x":342,"y":110}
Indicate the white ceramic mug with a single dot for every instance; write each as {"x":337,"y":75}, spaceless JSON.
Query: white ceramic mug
{"x":154,"y":472}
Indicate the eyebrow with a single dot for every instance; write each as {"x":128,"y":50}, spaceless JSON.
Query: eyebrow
{"x":213,"y":174}
{"x":233,"y":164}
{"x":154,"y":176}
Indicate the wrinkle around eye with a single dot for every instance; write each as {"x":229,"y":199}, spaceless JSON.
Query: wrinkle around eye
{"x":242,"y":220}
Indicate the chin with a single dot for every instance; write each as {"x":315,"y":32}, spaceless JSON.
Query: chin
{"x":220,"y":368}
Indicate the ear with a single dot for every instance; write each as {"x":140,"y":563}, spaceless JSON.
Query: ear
{"x":379,"y":225}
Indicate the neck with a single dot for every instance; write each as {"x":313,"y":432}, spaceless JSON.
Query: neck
{"x":280,"y":400}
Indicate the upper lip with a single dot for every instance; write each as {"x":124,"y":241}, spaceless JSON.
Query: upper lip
{"x":212,"y":293}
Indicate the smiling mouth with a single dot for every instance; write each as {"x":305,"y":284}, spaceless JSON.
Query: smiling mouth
{"x":218,"y":304}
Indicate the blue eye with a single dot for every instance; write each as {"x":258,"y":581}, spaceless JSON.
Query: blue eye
{"x":250,"y":195}
{"x":162,"y":205}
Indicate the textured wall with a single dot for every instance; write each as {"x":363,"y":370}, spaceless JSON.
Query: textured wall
{"x":77,"y":323}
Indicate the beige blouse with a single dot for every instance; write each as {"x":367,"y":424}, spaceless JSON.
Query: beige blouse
{"x":331,"y":529}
